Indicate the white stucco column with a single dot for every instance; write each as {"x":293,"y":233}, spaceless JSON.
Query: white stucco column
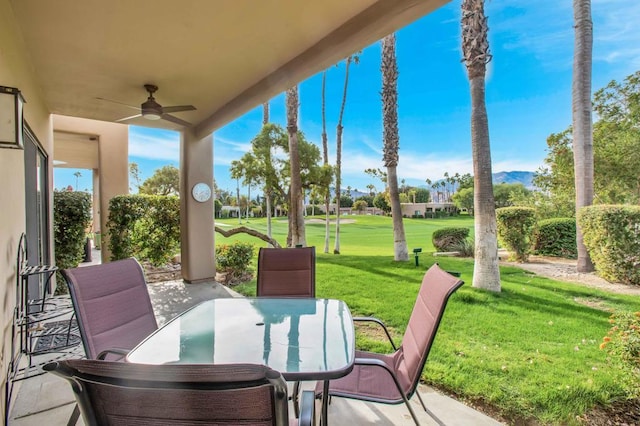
{"x":196,"y":218}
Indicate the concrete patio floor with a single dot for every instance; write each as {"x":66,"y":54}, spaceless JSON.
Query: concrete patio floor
{"x":48,"y":400}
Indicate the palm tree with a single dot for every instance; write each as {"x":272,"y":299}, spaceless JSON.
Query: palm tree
{"x":372,"y":189}
{"x":582,"y":125}
{"x":391,"y":142}
{"x":325,"y":158}
{"x":475,"y":49}
{"x":267,"y":188}
{"x":296,"y":208}
{"x":339,"y":128}
{"x":265,"y":113}
{"x":77,"y":175}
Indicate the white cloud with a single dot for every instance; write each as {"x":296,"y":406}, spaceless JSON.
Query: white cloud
{"x":161,"y":146}
{"x":615,"y":32}
{"x":545,"y":29}
{"x":225,"y":150}
{"x":418,"y":166}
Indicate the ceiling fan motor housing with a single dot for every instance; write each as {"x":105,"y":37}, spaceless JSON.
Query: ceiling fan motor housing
{"x":151,"y":110}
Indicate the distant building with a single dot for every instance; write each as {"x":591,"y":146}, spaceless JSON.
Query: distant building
{"x":427,"y":209}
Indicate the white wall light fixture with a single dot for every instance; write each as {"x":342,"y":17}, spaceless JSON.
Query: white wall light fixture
{"x":11,"y":126}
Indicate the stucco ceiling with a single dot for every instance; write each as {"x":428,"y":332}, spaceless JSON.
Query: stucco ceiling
{"x":222,"y":56}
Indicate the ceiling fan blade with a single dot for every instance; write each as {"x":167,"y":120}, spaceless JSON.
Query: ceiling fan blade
{"x":128,"y":118}
{"x":178,"y":108}
{"x":176,"y":120}
{"x":121,"y":103}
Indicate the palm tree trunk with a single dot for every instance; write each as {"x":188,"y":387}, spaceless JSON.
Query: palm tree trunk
{"x":391,"y":141}
{"x":339,"y":128}
{"x":267,"y":189}
{"x":400,"y":247}
{"x":296,"y":216}
{"x":486,"y":272}
{"x":475,"y":48}
{"x":267,"y":194}
{"x":582,"y":124}
{"x":265,"y":113}
{"x":325,"y":157}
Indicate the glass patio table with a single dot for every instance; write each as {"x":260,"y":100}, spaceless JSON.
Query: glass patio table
{"x":304,"y":339}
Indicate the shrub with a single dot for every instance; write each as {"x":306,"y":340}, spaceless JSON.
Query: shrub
{"x":612,"y":237}
{"x":234,"y":259}
{"x":144,"y":226}
{"x":622,"y":344}
{"x":318,"y":209}
{"x":465,"y":248}
{"x":360,"y":206}
{"x":448,"y":239}
{"x":71,"y":217}
{"x":156,"y":235}
{"x":556,"y":237}
{"x":515,"y":230}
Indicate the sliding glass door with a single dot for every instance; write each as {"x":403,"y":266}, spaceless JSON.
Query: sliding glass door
{"x":37,"y":209}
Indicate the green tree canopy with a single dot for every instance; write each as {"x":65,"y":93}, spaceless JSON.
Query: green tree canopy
{"x":463,"y":199}
{"x":346,"y":201}
{"x":367,"y":199}
{"x":164,"y":181}
{"x":422,"y":195}
{"x":267,"y":165}
{"x":616,"y":150}
{"x":381,"y":201}
{"x":360,"y":205}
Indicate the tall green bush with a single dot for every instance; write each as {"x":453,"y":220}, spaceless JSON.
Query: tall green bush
{"x":449,"y":239}
{"x":556,"y":237}
{"x":144,"y":226}
{"x":515,"y":230}
{"x":612,"y":237}
{"x":71,"y":218}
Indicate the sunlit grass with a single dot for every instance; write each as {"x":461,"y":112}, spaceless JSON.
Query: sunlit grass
{"x":531,"y":350}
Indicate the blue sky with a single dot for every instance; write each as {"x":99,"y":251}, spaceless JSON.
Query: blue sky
{"x":528,"y":95}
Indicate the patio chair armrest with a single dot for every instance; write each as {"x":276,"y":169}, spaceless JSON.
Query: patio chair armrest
{"x":307,"y":409}
{"x":374,"y":362}
{"x":381,"y":324}
{"x":116,"y":351}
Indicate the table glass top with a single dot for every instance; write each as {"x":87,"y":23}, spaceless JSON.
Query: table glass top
{"x":301,"y":338}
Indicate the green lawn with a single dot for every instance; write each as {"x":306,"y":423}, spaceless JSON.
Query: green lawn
{"x":530,"y":351}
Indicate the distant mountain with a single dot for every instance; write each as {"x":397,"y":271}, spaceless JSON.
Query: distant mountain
{"x":525,"y":178}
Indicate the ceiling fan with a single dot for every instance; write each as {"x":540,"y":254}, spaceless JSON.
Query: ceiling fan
{"x":152,"y":110}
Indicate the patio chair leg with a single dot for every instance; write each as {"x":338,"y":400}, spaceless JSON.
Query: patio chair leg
{"x":421,"y":401}
{"x":429,"y":412}
{"x":74,"y":416}
{"x":295,"y":399}
{"x":413,"y":414}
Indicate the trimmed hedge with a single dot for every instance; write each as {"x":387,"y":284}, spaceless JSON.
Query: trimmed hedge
{"x":449,"y":239}
{"x":556,"y":237}
{"x":612,"y":237}
{"x":71,"y":217}
{"x":515,"y":230}
{"x":144,"y":226}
